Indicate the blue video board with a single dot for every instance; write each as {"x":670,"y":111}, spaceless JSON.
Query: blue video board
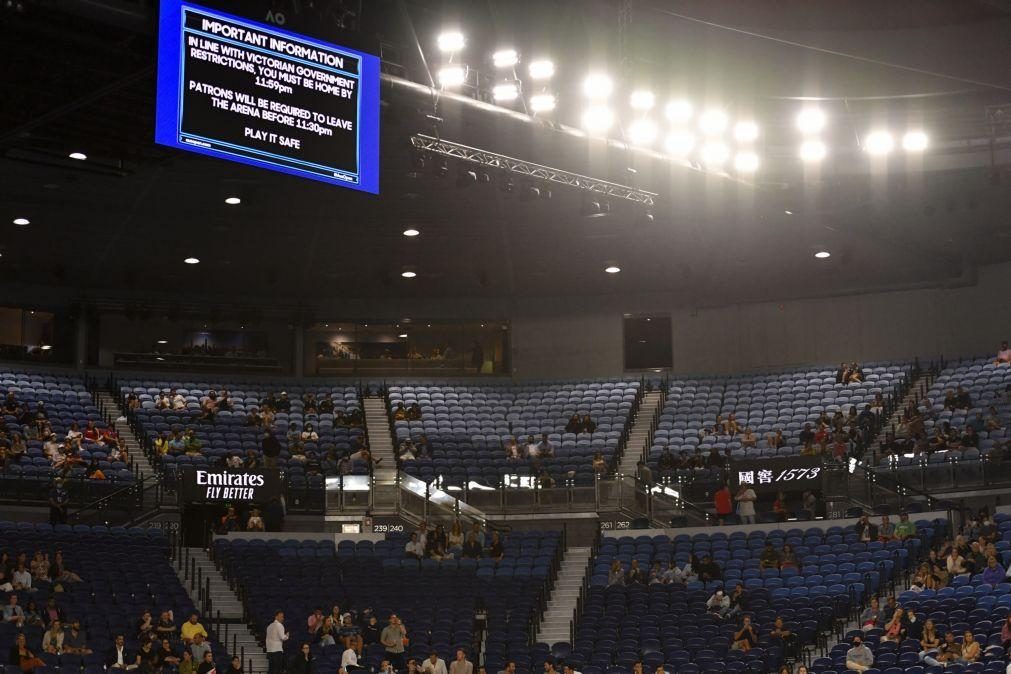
{"x":244,"y":91}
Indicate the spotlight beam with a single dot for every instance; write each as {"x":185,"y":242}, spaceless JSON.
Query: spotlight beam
{"x":520,"y":167}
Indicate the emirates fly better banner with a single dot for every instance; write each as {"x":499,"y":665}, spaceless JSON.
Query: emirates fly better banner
{"x":216,"y":485}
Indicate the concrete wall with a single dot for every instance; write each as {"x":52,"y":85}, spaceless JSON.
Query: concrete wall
{"x":739,"y":338}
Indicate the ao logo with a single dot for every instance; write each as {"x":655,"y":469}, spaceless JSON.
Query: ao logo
{"x":276,"y":17}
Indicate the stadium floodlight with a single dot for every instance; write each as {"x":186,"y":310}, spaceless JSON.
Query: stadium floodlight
{"x":879,"y":143}
{"x":598,"y":85}
{"x":598,"y":119}
{"x":713,"y":122}
{"x":642,"y":132}
{"x":452,"y":75}
{"x":451,"y":41}
{"x":810,"y":121}
{"x":505,"y":92}
{"x":679,"y":111}
{"x":813,"y":150}
{"x":642,"y":100}
{"x":679,"y":143}
{"x":746,"y":162}
{"x":745,"y":131}
{"x":505,"y":58}
{"x":915,"y":141}
{"x":541,"y":69}
{"x":542,"y":102}
{"x":715,"y":154}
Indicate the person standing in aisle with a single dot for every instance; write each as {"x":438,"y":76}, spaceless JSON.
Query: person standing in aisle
{"x":276,"y":636}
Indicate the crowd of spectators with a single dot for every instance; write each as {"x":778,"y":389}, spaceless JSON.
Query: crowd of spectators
{"x":435,"y":543}
{"x":850,"y":373}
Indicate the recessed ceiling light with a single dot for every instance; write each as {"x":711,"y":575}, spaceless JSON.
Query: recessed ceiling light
{"x":408,"y":274}
{"x":402,"y":335}
{"x":21,"y":221}
{"x":159,"y":358}
{"x":46,"y":347}
{"x":79,"y":156}
{"x":788,"y":212}
{"x":233,"y":201}
{"x":191,"y":260}
{"x":822,"y":254}
{"x":612,"y":269}
{"x":411,"y":232}
{"x":163,"y":341}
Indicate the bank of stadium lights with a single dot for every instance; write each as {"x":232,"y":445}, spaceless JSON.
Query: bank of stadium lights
{"x":745,"y":131}
{"x":452,"y":75}
{"x":506,"y":92}
{"x":505,"y":58}
{"x":541,"y":69}
{"x":451,"y":41}
{"x":878,"y":143}
{"x":714,"y":154}
{"x":713,"y":122}
{"x":812,"y":150}
{"x":598,"y":86}
{"x":746,"y":162}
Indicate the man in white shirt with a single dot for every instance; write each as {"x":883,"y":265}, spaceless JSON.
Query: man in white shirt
{"x":533,"y":450}
{"x":434,"y":664}
{"x":275,"y":638}
{"x":349,"y":659}
{"x":569,"y":670}
{"x":413,"y":548}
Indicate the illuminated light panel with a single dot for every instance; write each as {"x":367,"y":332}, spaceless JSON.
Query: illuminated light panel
{"x":505,"y":58}
{"x":642,"y":132}
{"x":598,"y":119}
{"x":812,"y":150}
{"x":508,"y":91}
{"x":746,"y":162}
{"x":915,"y":141}
{"x":745,"y":132}
{"x":642,"y":100}
{"x":598,"y":85}
{"x":452,"y":75}
{"x":715,"y":154}
{"x":542,"y":102}
{"x":679,"y":143}
{"x":811,"y":121}
{"x":713,"y":122}
{"x":541,"y":69}
{"x":679,"y":111}
{"x":451,"y":41}
{"x":879,"y":143}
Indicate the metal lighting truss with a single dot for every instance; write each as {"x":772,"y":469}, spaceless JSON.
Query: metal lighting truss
{"x":528,"y":169}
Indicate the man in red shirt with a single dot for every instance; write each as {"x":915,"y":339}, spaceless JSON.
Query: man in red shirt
{"x":724,"y":503}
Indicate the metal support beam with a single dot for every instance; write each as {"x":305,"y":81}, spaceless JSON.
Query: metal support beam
{"x":527,"y":169}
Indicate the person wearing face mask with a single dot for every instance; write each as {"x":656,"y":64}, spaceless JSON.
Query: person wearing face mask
{"x":859,"y":658}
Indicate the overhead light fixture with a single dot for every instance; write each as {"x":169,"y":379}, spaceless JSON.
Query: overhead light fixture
{"x":915,"y":141}
{"x":505,"y":92}
{"x":79,"y":156}
{"x":810,"y":121}
{"x":642,"y":132}
{"x":452,"y":75}
{"x":505,"y":58}
{"x":159,"y":358}
{"x":233,"y":201}
{"x":746,"y":162}
{"x":402,"y":335}
{"x":612,"y":269}
{"x":541,"y":69}
{"x":597,"y":85}
{"x":715,"y":154}
{"x":680,"y":143}
{"x":21,"y":222}
{"x":408,"y":273}
{"x":679,"y":111}
{"x":598,"y":119}
{"x":788,"y":212}
{"x":46,"y":347}
{"x":879,"y":143}
{"x":542,"y":102}
{"x":451,"y":41}
{"x":713,"y":122}
{"x":163,"y":341}
{"x":813,"y":150}
{"x":191,"y":260}
{"x":745,"y":132}
{"x":822,"y":254}
{"x":642,"y":100}
{"x":411,"y":232}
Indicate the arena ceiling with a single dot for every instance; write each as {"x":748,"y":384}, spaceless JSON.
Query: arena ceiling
{"x":82,"y":79}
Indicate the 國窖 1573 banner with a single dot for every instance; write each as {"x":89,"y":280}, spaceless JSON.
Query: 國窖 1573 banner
{"x":217,"y":485}
{"x":788,"y":473}
{"x":245,"y":91}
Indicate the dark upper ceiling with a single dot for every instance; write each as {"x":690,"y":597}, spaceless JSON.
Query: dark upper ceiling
{"x":123,"y":221}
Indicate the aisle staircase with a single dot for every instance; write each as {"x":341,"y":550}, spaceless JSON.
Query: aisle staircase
{"x":380,"y":439}
{"x":203,"y":581}
{"x":641,"y":433}
{"x":557,"y":622}
{"x":110,"y":407}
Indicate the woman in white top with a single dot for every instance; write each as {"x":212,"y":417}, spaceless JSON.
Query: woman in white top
{"x":746,"y":498}
{"x":955,"y":563}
